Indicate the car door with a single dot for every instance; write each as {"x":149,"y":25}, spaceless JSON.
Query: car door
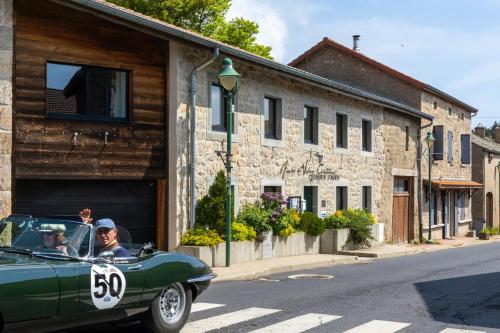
{"x":105,"y":285}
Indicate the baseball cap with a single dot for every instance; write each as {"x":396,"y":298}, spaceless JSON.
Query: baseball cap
{"x":105,"y":223}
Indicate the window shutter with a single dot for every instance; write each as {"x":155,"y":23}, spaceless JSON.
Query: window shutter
{"x":465,"y":148}
{"x":438,"y":144}
{"x":450,"y":147}
{"x":462,"y":207}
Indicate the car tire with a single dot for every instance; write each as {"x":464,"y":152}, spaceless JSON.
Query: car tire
{"x":170,"y":309}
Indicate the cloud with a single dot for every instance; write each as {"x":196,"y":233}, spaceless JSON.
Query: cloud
{"x":272,"y":27}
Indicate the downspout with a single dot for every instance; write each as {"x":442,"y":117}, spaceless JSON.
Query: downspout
{"x":192,"y":151}
{"x":420,"y":203}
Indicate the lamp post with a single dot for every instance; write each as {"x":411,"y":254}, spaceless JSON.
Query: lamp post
{"x":429,"y":140}
{"x":228,"y":79}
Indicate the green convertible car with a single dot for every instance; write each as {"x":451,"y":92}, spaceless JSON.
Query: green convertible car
{"x":52,"y":286}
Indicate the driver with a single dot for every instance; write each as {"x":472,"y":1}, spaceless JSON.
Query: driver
{"x":53,"y":237}
{"x":106,"y":233}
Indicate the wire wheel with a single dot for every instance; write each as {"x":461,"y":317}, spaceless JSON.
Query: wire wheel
{"x":172,"y":303}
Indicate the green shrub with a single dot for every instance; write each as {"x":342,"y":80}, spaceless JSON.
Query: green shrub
{"x":311,"y":224}
{"x":241,"y":232}
{"x":283,"y":226}
{"x":255,"y":217}
{"x":359,"y":223}
{"x":201,"y":237}
{"x":337,"y":221}
{"x":211,"y":209}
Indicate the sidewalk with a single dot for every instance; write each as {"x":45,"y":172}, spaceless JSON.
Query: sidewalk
{"x":256,"y":269}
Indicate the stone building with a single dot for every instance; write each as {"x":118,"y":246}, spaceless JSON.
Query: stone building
{"x":333,"y":144}
{"x":451,"y":167}
{"x":486,"y":170}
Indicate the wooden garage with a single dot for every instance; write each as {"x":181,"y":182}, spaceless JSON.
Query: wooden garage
{"x":89,"y":118}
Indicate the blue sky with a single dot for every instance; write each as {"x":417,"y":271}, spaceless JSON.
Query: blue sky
{"x":451,"y":45}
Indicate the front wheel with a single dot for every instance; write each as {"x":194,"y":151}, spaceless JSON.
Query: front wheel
{"x":170,"y":309}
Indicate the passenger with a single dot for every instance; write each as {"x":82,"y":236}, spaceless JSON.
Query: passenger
{"x":53,"y":237}
{"x":106,"y":233}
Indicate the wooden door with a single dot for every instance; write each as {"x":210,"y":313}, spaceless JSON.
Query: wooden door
{"x":489,"y":209}
{"x":400,"y":210}
{"x":452,"y":213}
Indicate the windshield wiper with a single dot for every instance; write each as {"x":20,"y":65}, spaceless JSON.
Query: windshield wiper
{"x":15,"y":250}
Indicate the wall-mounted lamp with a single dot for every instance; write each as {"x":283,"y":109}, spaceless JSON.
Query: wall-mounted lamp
{"x":75,"y":138}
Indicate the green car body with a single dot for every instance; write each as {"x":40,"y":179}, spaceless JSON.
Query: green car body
{"x":55,"y":291}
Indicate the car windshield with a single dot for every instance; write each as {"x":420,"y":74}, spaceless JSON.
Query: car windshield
{"x":45,"y":236}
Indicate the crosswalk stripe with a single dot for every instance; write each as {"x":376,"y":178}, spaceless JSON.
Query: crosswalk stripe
{"x":197,"y":307}
{"x":378,"y":326}
{"x":298,"y":324}
{"x":227,"y":319}
{"x":458,"y":330}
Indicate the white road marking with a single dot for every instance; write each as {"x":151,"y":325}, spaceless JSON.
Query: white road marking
{"x":378,"y":326}
{"x":227,"y":319}
{"x":457,"y":330}
{"x":197,"y":307}
{"x":298,"y":324}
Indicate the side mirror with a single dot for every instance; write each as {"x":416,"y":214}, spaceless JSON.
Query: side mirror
{"x":107,"y":255}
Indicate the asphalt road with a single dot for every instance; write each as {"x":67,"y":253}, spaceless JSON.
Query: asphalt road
{"x":456,"y":288}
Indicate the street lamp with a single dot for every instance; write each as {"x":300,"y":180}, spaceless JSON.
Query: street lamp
{"x":429,"y":140}
{"x":228,"y":79}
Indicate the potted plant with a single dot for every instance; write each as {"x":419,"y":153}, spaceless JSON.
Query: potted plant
{"x":252,"y":215}
{"x":484,"y":234}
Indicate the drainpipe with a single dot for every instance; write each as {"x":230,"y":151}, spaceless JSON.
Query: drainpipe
{"x":420,"y":204}
{"x":192,"y":161}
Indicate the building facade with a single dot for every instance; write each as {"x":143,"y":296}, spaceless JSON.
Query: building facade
{"x":451,"y":128}
{"x":486,"y":170}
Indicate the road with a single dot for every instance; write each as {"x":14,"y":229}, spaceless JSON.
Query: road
{"x":442,"y":291}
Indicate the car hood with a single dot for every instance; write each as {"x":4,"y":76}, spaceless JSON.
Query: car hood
{"x":7,"y":258}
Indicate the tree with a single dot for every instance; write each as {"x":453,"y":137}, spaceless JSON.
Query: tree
{"x":206,"y":17}
{"x":490,"y":131}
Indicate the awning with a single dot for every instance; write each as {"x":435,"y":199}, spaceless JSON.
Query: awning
{"x":454,"y":184}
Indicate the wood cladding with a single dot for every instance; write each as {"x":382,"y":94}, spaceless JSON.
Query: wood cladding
{"x":70,"y":149}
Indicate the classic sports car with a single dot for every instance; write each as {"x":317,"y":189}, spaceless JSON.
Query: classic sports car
{"x":51,"y":278}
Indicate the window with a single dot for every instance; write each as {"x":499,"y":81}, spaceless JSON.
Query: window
{"x":310,"y":125}
{"x":465,"y":148}
{"x":341,"y":197}
{"x":435,"y":105}
{"x":219,"y":109}
{"x":407,"y":139}
{"x":86,"y":92}
{"x":450,"y":147}
{"x":437,"y":147}
{"x":272,"y":118}
{"x":366,"y":200}
{"x":366,"y":140}
{"x":450,"y":111}
{"x":401,"y":185}
{"x":341,"y":130}
{"x":274,"y":189}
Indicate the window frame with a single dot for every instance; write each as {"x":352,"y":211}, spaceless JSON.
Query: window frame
{"x":223,"y":109}
{"x":92,"y":118}
{"x":438,"y":133}
{"x":344,"y":130}
{"x":278,"y":118}
{"x":344,"y":191}
{"x":469,"y":160}
{"x":314,"y":140}
{"x":367,"y":197}
{"x":368,"y":132}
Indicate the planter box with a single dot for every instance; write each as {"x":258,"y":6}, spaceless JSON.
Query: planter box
{"x":333,"y":240}
{"x":484,"y":236}
{"x":205,"y":253}
{"x":296,"y":244}
{"x":378,"y":233}
{"x":240,"y":252}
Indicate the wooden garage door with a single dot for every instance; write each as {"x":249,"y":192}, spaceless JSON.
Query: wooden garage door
{"x":131,"y":204}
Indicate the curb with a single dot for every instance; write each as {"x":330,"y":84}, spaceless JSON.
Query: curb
{"x":282,"y":269}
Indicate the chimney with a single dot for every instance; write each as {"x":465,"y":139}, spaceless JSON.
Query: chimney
{"x":355,"y":40}
{"x":480,"y":130}
{"x":497,"y":134}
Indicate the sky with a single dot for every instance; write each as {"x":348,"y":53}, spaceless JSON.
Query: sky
{"x":453,"y":45}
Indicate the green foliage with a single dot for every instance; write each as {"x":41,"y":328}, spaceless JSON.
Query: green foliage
{"x":253,"y":216}
{"x":283,"y":226}
{"x":337,"y":221}
{"x":490,"y":231}
{"x":359,"y":223}
{"x":311,"y":224}
{"x":211,"y":209}
{"x":205,"y":17}
{"x":241,"y":232}
{"x":201,"y":237}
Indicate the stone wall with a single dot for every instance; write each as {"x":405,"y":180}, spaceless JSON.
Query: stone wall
{"x":259,"y":162}
{"x":6,"y":58}
{"x":337,"y":65}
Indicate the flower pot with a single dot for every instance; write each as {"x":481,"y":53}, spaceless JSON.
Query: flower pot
{"x":484,"y":236}
{"x":263,"y":235}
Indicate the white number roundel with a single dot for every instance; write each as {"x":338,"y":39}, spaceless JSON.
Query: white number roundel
{"x":107,"y":286}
